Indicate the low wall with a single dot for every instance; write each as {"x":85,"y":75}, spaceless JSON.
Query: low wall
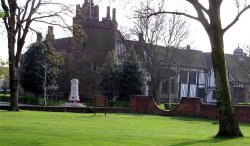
{"x":69,"y":109}
{"x":187,"y":107}
{"x":146,"y":105}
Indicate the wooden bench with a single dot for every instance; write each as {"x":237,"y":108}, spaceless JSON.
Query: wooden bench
{"x":99,"y":101}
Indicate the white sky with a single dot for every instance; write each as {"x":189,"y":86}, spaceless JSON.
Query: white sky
{"x":237,"y":35}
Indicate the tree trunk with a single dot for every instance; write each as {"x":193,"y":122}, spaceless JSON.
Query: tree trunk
{"x":228,"y":125}
{"x":14,"y":87}
{"x":156,"y":85}
{"x":13,"y":65}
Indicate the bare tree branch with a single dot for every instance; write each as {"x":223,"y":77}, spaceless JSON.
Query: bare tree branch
{"x":50,"y":23}
{"x":236,"y":18}
{"x":198,"y":5}
{"x":175,"y":13}
{"x":201,"y":17}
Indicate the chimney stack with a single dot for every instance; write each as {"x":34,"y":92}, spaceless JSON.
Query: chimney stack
{"x":140,"y":37}
{"x":114,"y":14}
{"x":108,"y":12}
{"x":50,"y":34}
{"x":50,"y":30}
{"x":39,"y":37}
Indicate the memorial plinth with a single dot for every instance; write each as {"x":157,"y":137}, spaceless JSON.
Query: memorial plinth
{"x":74,"y":100}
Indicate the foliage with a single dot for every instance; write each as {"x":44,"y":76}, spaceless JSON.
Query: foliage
{"x":109,"y":77}
{"x":40,"y":55}
{"x":4,"y":71}
{"x":21,"y":99}
{"x":17,"y":19}
{"x":118,"y":104}
{"x":131,"y":78}
{"x":1,"y":14}
{"x":50,"y":128}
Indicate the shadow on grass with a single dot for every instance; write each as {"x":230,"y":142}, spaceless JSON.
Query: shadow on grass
{"x":192,"y":118}
{"x":209,"y":141}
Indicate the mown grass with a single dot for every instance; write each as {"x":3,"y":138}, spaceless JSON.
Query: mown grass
{"x":28,"y":128}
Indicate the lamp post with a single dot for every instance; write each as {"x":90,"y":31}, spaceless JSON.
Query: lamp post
{"x":44,"y":86}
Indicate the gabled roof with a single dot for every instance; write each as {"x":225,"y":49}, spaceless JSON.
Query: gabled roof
{"x":182,"y":57}
{"x":238,"y":67}
{"x":190,"y":58}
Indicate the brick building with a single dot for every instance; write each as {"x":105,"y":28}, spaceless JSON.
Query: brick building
{"x":84,"y":57}
{"x":194,"y":73}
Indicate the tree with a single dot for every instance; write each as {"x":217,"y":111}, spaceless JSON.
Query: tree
{"x":155,"y":32}
{"x":40,"y":55}
{"x":1,"y":14}
{"x":210,"y":19}
{"x":131,"y":78}
{"x":109,"y":76}
{"x":18,"y":17}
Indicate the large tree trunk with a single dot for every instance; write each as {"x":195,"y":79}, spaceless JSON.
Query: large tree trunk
{"x":14,"y":87}
{"x":13,"y":65}
{"x":228,"y":125}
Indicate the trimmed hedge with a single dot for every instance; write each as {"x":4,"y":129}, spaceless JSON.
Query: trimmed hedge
{"x":173,"y":105}
{"x":21,"y":99}
{"x":118,"y":103}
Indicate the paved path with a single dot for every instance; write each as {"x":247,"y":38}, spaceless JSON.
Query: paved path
{"x":4,"y":103}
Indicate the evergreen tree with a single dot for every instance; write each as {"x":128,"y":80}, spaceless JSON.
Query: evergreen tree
{"x":132,"y":80}
{"x":109,"y":76}
{"x":32,"y":74}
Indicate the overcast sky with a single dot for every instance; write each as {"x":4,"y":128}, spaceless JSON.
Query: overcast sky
{"x":237,"y":35}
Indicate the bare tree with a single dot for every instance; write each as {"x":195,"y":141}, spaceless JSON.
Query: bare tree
{"x":210,"y":19}
{"x":18,"y":17}
{"x":160,"y":36}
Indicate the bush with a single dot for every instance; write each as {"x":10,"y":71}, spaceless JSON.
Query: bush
{"x":28,"y":100}
{"x":21,"y":99}
{"x":4,"y":97}
{"x":118,"y":104}
{"x":173,"y":106}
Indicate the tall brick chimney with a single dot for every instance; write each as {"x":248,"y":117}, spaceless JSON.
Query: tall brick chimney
{"x":50,"y":29}
{"x":39,"y":37}
{"x":114,"y":14}
{"x":50,"y":35}
{"x":140,"y":37}
{"x":108,"y":12}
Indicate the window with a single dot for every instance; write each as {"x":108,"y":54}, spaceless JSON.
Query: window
{"x":164,"y":88}
{"x":172,"y":86}
{"x":184,"y":77}
{"x":214,"y":95}
{"x":192,"y":77}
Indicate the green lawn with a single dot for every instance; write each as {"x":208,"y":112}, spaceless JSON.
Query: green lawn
{"x":28,"y":128}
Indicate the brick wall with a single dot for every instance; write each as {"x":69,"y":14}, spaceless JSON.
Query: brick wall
{"x":187,"y":107}
{"x":146,"y":105}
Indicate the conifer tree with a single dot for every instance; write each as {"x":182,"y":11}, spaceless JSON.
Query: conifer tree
{"x":131,"y":77}
{"x":109,"y":76}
